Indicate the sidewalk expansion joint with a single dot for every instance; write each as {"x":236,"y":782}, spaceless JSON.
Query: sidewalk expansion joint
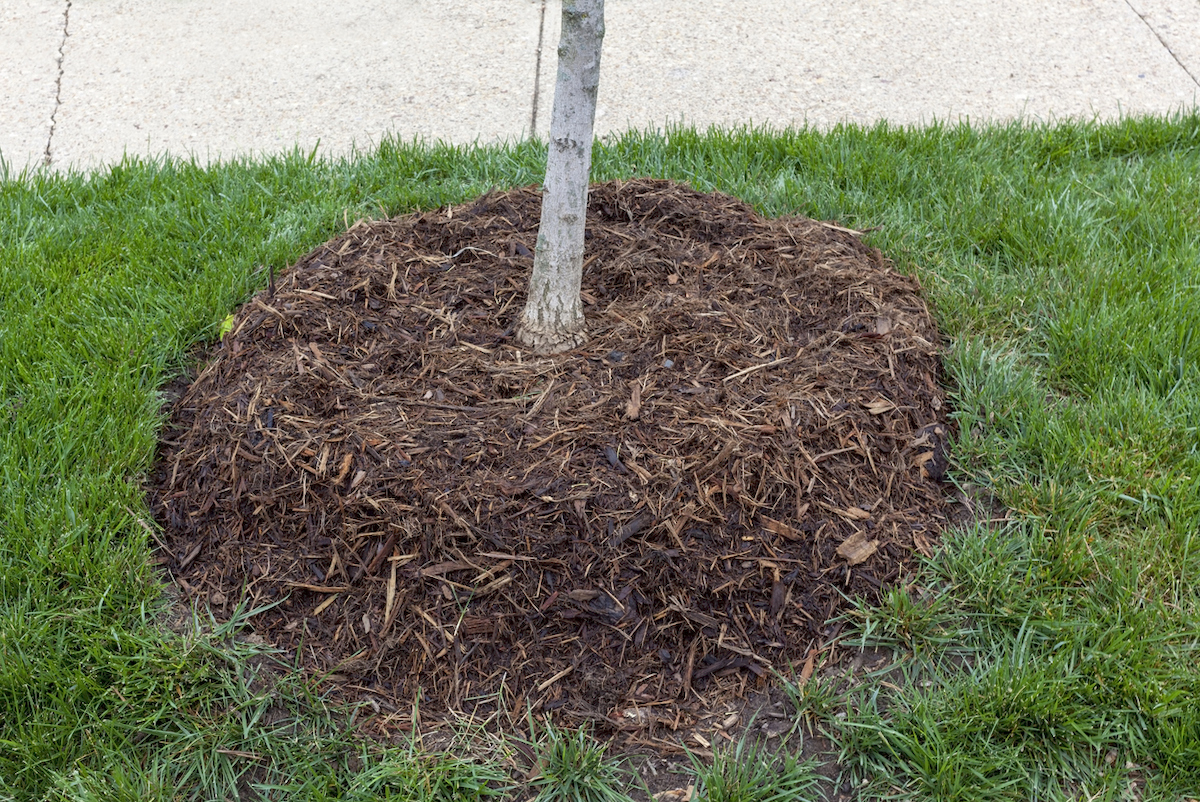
{"x":537,"y":71}
{"x":62,"y":46}
{"x":1163,"y":42}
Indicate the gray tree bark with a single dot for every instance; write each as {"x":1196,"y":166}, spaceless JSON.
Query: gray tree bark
{"x":553,"y":318}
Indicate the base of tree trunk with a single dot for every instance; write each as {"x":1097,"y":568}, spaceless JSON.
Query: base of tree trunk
{"x":550,"y":340}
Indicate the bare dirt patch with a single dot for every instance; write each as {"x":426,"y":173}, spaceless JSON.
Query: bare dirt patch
{"x":662,"y":516}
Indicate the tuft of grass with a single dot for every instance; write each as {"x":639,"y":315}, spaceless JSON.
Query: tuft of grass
{"x":813,"y":701}
{"x":747,"y":772}
{"x":573,"y":767}
{"x":1032,"y":685}
{"x":410,"y":775}
{"x":226,"y":720}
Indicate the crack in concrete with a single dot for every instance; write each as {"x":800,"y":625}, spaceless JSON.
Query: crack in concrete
{"x":62,"y":46}
{"x":1163,"y":42}
{"x":537,"y":71}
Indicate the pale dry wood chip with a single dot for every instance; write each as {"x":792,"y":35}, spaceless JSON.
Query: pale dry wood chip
{"x":491,"y":572}
{"x":856,"y":548}
{"x":391,"y":595}
{"x":780,"y":528}
{"x":879,"y":406}
{"x":494,"y":585}
{"x":319,"y":588}
{"x":345,"y":468}
{"x":854,"y":514}
{"x":321,"y":607}
{"x":633,"y":407}
{"x":546,"y":684}
{"x":644,"y":475}
{"x":806,"y":671}
{"x":445,"y":568}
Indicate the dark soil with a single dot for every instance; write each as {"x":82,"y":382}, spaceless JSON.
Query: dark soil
{"x":754,"y":428}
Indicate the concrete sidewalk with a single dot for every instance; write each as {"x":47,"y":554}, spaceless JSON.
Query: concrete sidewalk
{"x":84,"y":81}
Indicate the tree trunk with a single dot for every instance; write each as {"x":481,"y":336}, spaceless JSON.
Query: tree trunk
{"x":553,"y":316}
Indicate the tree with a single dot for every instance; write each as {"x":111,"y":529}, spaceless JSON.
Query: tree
{"x":553,"y":318}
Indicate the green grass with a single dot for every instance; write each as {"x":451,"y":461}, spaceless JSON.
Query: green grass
{"x":1063,"y":265}
{"x":572,"y":767}
{"x":748,"y":772}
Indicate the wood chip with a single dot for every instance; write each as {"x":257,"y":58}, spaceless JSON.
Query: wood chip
{"x":806,"y":671}
{"x":544,"y":685}
{"x":319,"y":588}
{"x":880,"y":406}
{"x":857,"y":548}
{"x":854,"y":514}
{"x":676,"y":795}
{"x":445,"y":568}
{"x":323,"y":606}
{"x":780,"y":528}
{"x":633,"y":407}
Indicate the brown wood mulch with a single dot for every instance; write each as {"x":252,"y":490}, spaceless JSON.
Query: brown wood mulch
{"x":754,"y":428}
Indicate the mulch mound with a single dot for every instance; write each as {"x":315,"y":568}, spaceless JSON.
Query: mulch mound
{"x":754,"y":429}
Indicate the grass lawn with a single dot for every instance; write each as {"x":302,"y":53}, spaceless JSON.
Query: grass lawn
{"x":1054,"y":656}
